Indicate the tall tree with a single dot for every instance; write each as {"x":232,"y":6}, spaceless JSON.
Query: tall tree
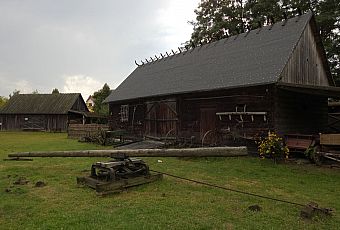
{"x":217,"y":19}
{"x":3,"y":101}
{"x":55,"y":90}
{"x":99,"y":96}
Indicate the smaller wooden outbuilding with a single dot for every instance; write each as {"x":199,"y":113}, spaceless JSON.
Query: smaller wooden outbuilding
{"x":49,"y":112}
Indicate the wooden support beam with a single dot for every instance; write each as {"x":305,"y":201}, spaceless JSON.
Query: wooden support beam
{"x":187,"y":152}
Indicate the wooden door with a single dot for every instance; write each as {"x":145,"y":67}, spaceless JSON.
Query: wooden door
{"x":33,"y":123}
{"x":161,"y":119}
{"x":208,"y":125}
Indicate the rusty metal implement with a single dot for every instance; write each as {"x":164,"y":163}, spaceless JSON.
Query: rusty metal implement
{"x":117,"y":175}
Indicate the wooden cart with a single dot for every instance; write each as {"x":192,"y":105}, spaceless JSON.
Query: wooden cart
{"x":320,"y":147}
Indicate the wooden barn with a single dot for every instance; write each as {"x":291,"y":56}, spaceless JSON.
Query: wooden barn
{"x":272,"y":78}
{"x":50,"y":112}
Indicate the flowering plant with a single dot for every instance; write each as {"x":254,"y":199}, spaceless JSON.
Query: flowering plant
{"x":272,"y":147}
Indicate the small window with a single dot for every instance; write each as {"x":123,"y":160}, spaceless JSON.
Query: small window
{"x":26,"y":118}
{"x":124,"y":113}
{"x":90,"y":104}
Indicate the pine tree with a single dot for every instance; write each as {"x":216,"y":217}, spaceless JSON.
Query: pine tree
{"x":55,"y":90}
{"x":217,"y":19}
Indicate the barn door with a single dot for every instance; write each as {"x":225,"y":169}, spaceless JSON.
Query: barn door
{"x":208,"y":125}
{"x":161,"y":119}
{"x":33,"y":123}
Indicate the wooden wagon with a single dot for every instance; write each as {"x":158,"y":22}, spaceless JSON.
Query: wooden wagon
{"x":317,"y":147}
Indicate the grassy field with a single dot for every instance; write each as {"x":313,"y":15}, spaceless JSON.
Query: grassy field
{"x":166,"y":204}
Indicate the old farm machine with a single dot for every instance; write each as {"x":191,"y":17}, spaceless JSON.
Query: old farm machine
{"x":118,"y":174}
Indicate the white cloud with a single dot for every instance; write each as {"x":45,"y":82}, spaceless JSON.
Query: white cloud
{"x":81,"y":84}
{"x":173,"y":21}
{"x":24,"y":86}
{"x":7,"y":85}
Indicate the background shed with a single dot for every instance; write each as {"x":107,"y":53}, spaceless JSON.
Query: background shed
{"x":50,"y":112}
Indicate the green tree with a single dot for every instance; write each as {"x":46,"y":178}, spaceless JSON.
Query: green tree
{"x":55,"y":90}
{"x":3,"y":101}
{"x":99,"y":96}
{"x":35,"y":92}
{"x":217,"y":19}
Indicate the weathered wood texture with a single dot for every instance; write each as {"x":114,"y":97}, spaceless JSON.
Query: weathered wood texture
{"x":193,"y":116}
{"x":189,"y":152}
{"x":161,"y":118}
{"x":306,"y":66}
{"x":79,"y":105}
{"x":197,"y":113}
{"x":330,"y":139}
{"x":136,"y":118}
{"x":79,"y":130}
{"x":108,"y":187}
{"x":300,"y":113}
{"x":34,"y":122}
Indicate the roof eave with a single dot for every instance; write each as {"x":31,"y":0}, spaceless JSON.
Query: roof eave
{"x":188,"y":92}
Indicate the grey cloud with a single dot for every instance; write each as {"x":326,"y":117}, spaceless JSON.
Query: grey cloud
{"x":42,"y":41}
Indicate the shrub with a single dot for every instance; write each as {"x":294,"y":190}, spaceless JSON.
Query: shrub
{"x":272,"y":147}
{"x":312,"y":153}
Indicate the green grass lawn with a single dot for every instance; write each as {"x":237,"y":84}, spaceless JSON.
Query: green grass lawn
{"x":165,"y":204}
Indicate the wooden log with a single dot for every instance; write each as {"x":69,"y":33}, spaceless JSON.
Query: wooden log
{"x":187,"y":152}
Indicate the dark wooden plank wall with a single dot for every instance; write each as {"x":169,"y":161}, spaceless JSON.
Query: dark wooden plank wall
{"x":46,"y":122}
{"x":79,"y":105}
{"x":287,"y":112}
{"x":136,"y":122}
{"x":300,"y":113}
{"x":305,"y":65}
{"x":256,"y":99}
{"x":161,"y":118}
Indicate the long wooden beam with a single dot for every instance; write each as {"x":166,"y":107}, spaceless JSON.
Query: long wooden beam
{"x":186,"y":152}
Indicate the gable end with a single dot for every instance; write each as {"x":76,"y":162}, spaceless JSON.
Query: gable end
{"x":308,"y":64}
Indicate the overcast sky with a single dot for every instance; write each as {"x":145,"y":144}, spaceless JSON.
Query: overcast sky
{"x":78,"y":45}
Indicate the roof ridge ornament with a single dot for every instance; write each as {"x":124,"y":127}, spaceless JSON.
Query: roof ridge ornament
{"x":299,"y":11}
{"x":272,"y":22}
{"x":162,"y":56}
{"x":285,"y":17}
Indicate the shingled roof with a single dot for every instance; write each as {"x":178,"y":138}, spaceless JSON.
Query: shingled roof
{"x":58,"y":103}
{"x":253,"y":58}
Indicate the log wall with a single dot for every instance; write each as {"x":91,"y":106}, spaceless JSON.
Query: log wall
{"x":193,"y":115}
{"x":77,"y":131}
{"x":286,"y":112}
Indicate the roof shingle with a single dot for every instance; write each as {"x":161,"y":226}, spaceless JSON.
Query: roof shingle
{"x":253,"y":58}
{"x":59,"y":103}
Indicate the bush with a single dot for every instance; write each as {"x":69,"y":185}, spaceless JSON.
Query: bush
{"x":273,"y":147}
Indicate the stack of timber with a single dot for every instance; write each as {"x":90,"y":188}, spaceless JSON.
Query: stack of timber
{"x":77,"y":131}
